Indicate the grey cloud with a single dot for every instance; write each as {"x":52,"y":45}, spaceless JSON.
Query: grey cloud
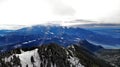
{"x":61,"y":9}
{"x":64,"y":10}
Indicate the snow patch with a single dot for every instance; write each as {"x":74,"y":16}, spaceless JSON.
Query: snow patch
{"x":75,"y":61}
{"x":25,"y":58}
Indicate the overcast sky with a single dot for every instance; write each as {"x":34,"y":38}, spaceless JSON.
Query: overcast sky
{"x":29,"y":12}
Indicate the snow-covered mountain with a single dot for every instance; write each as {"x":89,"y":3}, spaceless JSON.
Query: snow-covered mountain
{"x":37,"y":35}
{"x":53,"y":46}
{"x":51,"y":55}
{"x":58,"y":34}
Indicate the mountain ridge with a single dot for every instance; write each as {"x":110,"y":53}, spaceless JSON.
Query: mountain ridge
{"x":52,"y":55}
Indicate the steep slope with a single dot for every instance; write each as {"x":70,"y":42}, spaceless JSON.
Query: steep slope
{"x":110,"y":55}
{"x":89,"y":46}
{"x":51,"y":55}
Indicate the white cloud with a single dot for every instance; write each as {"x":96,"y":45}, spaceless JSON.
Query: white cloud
{"x":30,"y":12}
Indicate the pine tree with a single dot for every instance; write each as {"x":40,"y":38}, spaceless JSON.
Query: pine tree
{"x":32,"y":59}
{"x":27,"y":65}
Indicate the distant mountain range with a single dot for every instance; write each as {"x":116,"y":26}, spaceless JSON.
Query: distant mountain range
{"x":57,"y":34}
{"x":65,"y":36}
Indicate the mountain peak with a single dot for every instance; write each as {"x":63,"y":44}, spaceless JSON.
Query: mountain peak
{"x":51,"y":55}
